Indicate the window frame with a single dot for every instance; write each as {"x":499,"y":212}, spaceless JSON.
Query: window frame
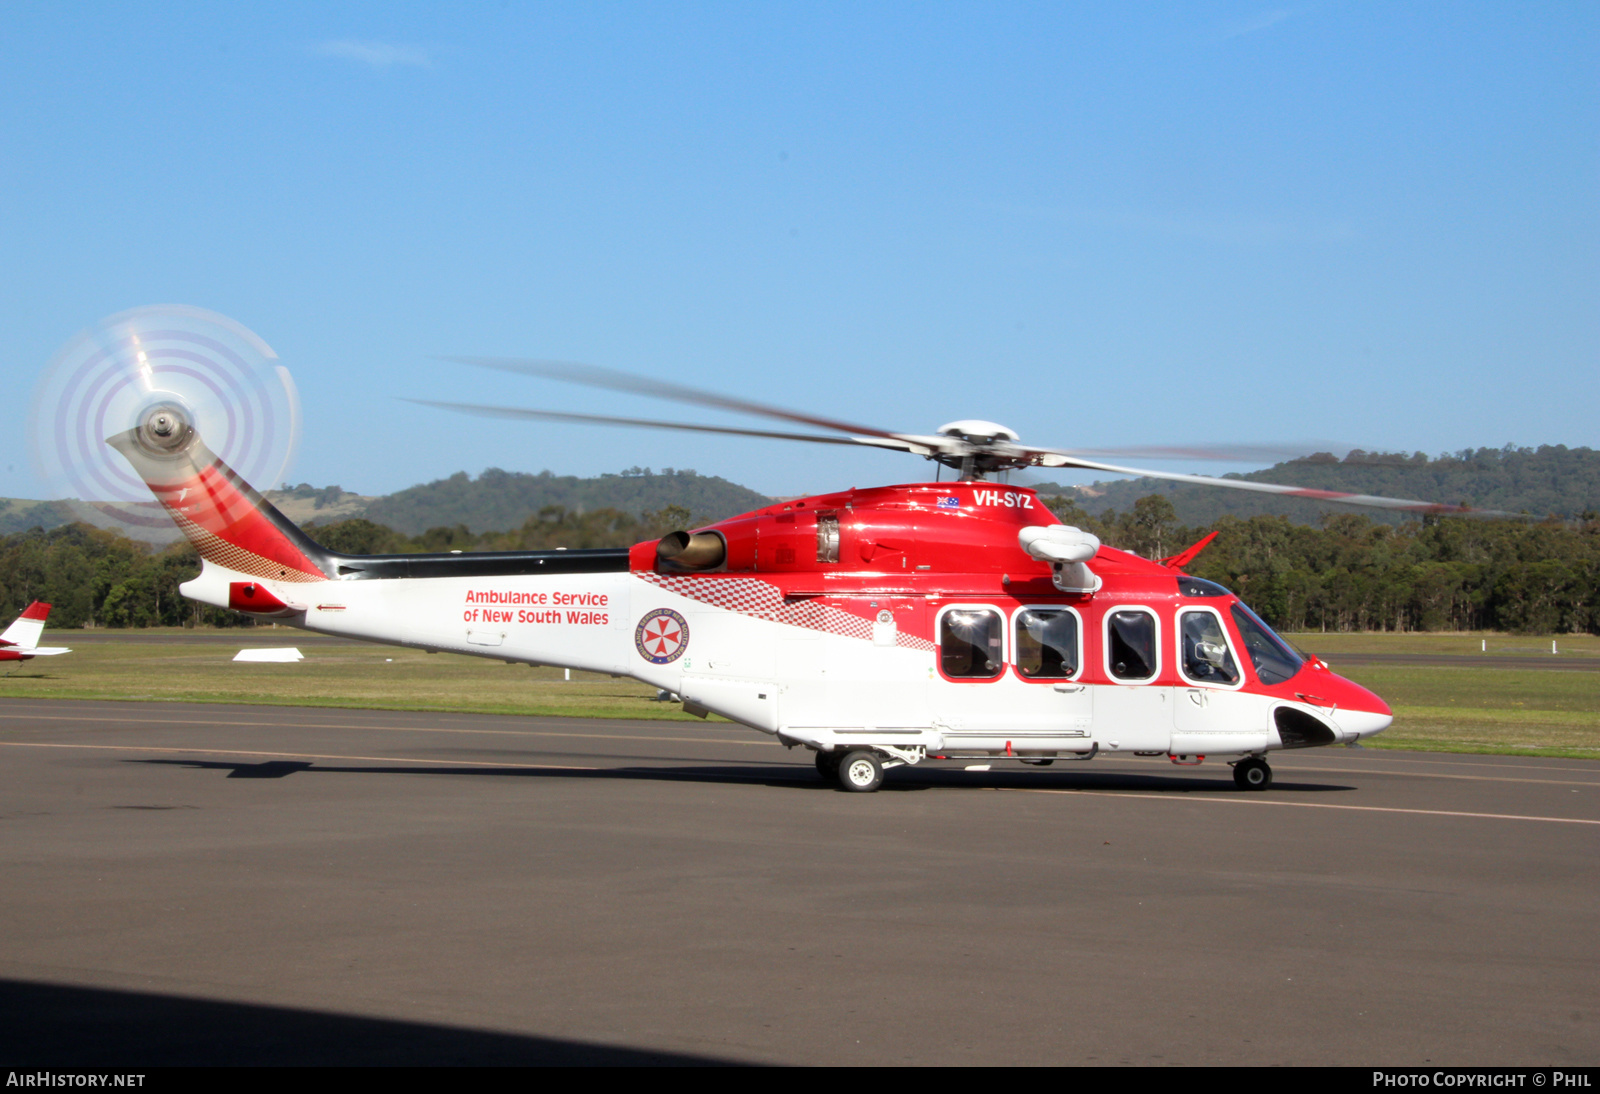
{"x":938,"y":649}
{"x":1011,"y":635}
{"x":1227,"y":636}
{"x":1105,"y":645}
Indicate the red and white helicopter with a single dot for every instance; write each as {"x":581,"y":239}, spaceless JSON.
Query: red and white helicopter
{"x":878,"y":627}
{"x":20,"y":642}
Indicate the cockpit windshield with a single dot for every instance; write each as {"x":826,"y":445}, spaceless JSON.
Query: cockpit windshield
{"x":1275,"y":660}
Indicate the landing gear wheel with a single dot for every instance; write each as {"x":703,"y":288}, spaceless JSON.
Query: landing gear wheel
{"x":860,"y":771}
{"x":828,"y":765}
{"x":1252,"y":774}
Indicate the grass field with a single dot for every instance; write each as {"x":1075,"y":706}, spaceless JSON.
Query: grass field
{"x":1446,"y":708}
{"x":1329,"y":646}
{"x":1465,"y":708}
{"x":332,"y":675}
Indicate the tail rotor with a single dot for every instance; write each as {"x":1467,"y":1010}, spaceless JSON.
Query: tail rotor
{"x":166,"y":373}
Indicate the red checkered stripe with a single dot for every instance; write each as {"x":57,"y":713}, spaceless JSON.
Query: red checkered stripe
{"x":763,"y":600}
{"x":216,"y":549}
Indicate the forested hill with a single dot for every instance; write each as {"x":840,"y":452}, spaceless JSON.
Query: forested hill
{"x":500,"y":499}
{"x":1550,"y":479}
{"x":494,"y":501}
{"x":19,"y":514}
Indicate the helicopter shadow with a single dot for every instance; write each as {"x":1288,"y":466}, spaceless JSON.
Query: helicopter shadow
{"x":69,"y":1027}
{"x":789,"y":777}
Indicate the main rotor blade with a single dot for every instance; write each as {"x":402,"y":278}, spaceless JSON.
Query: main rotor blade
{"x":614,"y":380}
{"x":1055,"y":458}
{"x":1222,"y":453}
{"x":529,"y":414}
{"x":942,"y":446}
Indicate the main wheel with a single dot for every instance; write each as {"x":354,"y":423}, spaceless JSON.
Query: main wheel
{"x":1252,"y":774}
{"x":828,"y":764}
{"x":860,"y":771}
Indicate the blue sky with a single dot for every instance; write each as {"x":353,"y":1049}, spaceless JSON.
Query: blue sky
{"x":1102,"y":224}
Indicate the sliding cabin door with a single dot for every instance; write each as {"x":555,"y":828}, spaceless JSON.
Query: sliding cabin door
{"x":1010,"y":684}
{"x":1133,"y":713}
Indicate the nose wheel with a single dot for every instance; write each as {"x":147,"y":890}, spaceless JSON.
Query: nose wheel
{"x":1252,"y":774}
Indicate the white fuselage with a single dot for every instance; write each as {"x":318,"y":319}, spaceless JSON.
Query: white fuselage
{"x":827,"y":681}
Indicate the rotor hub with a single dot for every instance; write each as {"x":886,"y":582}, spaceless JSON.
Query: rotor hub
{"x":978,"y":431}
{"x":164,"y":428}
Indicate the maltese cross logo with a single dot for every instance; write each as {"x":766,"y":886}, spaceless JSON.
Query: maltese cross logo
{"x":662,"y":636}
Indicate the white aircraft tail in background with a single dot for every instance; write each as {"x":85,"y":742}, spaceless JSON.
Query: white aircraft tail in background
{"x":21,"y":640}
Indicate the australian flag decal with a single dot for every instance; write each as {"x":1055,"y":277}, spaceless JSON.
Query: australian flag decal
{"x":949,"y":503}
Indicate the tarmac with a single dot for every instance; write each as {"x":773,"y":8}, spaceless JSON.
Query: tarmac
{"x":206,"y":884}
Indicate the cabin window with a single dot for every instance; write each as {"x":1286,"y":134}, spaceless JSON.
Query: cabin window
{"x":970,"y":641}
{"x":1131,"y":645}
{"x":1206,"y":656}
{"x":1272,"y":657}
{"x":1047,"y":643}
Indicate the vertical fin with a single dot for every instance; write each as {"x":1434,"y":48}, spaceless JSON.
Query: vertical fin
{"x":1188,"y":555}
{"x":26,"y":631}
{"x":226,"y":519}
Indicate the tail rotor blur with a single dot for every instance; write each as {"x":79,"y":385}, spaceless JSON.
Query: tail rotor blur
{"x":166,"y":370}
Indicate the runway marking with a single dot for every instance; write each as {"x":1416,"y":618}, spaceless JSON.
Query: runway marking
{"x":1490,"y":759}
{"x":295,"y":755}
{"x":396,"y":729}
{"x":737,"y":740}
{"x":758,"y":743}
{"x":1303,"y":805}
{"x":1313,"y":768}
{"x":581,"y":767}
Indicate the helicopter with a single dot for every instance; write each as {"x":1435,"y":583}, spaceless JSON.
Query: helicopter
{"x":879,"y":628}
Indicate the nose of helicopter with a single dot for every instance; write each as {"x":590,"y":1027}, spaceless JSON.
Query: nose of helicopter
{"x":1363,"y":723}
{"x":1360,"y":713}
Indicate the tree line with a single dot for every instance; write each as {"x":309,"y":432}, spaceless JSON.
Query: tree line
{"x":98,"y":578}
{"x":1543,"y":480}
{"x":1353,"y":573}
{"x":1350,"y":573}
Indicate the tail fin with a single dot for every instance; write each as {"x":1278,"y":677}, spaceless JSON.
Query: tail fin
{"x":1187,"y":555}
{"x":227,"y":520}
{"x":26,"y":631}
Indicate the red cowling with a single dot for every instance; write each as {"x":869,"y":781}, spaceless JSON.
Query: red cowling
{"x":916,"y":534}
{"x":906,"y":531}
